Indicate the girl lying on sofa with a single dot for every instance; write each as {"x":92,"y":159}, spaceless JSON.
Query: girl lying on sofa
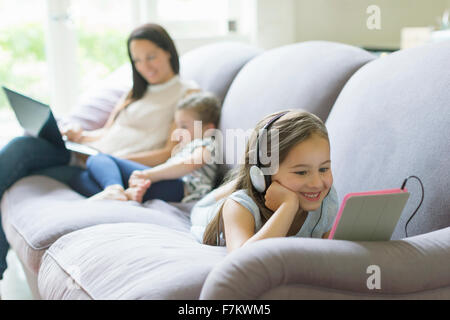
{"x":188,"y":175}
{"x":296,"y":200}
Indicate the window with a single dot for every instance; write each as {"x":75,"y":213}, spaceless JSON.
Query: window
{"x":54,"y":50}
{"x":22,"y":54}
{"x":99,"y":30}
{"x":102,"y":27}
{"x":204,"y":17}
{"x":190,"y":10}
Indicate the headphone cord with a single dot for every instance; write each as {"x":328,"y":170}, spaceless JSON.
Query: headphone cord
{"x":421,"y":200}
{"x":320,"y":217}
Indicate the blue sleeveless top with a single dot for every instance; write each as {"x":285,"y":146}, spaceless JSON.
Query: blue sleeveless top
{"x":321,"y":220}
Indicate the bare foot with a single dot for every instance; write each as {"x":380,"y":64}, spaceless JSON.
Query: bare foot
{"x":114,"y":192}
{"x":137,"y":192}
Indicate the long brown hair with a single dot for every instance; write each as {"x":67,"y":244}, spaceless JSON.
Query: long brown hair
{"x":158,"y":35}
{"x":293,"y":128}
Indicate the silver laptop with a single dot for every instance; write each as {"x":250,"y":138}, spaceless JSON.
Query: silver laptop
{"x":37,"y":120}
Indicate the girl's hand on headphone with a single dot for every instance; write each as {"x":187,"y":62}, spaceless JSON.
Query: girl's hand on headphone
{"x":277,"y":194}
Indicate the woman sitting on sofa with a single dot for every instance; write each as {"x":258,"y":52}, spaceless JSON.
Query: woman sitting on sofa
{"x":139,"y":128}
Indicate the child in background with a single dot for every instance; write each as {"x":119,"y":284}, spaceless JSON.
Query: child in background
{"x":187,"y":176}
{"x":297,"y":200}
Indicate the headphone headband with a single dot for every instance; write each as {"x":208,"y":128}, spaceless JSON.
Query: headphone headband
{"x":259,"y":180}
{"x":264,"y":129}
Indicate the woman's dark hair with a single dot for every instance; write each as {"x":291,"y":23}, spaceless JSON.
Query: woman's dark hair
{"x":159,"y":36}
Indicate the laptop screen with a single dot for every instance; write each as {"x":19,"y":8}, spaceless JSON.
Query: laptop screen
{"x":31,"y":114}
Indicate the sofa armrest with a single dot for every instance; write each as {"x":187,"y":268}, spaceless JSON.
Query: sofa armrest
{"x":406,"y":266}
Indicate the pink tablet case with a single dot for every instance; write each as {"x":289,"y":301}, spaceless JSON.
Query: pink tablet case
{"x":369,"y":216}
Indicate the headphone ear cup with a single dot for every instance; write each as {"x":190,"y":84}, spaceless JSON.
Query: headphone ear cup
{"x":258,"y":179}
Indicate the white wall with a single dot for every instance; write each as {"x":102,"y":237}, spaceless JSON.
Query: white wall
{"x":186,"y":44}
{"x":275,"y":23}
{"x":264,"y":23}
{"x":345,"y":20}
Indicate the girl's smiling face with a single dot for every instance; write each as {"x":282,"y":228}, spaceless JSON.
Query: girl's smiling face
{"x":307,"y":171}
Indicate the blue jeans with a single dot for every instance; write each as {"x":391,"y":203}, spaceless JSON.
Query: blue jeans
{"x":104,"y":170}
{"x":24,"y":156}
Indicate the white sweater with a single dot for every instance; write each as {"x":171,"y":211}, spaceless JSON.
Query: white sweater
{"x":144,"y":125}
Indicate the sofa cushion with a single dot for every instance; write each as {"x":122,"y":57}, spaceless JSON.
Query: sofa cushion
{"x":38,"y":210}
{"x":306,"y":75}
{"x":391,"y":121}
{"x":127,"y":261}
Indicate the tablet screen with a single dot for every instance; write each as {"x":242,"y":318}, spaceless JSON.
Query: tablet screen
{"x":369,"y":216}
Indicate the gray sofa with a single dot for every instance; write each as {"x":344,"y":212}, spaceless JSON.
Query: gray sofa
{"x":388,"y":118}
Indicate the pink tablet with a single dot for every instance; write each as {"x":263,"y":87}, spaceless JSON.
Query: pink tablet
{"x":369,"y":216}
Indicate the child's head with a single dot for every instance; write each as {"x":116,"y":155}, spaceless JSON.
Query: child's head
{"x":304,"y":162}
{"x":202,"y":107}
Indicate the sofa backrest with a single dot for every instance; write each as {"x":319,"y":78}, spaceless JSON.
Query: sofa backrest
{"x":392,"y":120}
{"x":95,"y":105}
{"x":307,"y":75}
{"x":213,"y":67}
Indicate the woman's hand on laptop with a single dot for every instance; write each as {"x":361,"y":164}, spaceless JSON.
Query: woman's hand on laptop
{"x":72,"y":132}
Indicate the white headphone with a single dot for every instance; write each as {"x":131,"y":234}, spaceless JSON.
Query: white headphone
{"x":259,"y":180}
